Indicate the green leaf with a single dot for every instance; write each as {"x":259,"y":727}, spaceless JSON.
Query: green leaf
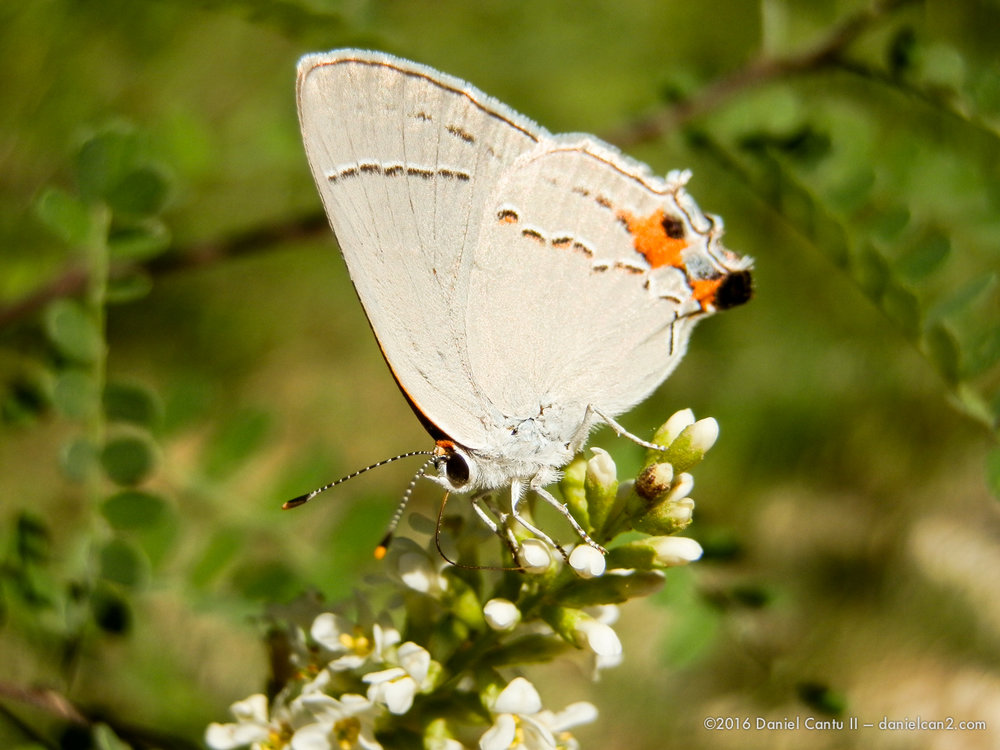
{"x":104,"y":161}
{"x":943,"y":351}
{"x":962,"y":298}
{"x":924,"y":258}
{"x":139,"y":242}
{"x":79,"y":459}
{"x":122,"y":563}
{"x":73,"y":331}
{"x":140,"y":192}
{"x":106,"y":739}
{"x":130,"y":509}
{"x":982,"y":353}
{"x":128,"y":460}
{"x":133,"y":285}
{"x":870,"y":271}
{"x":135,"y":404}
{"x":888,"y":223}
{"x":32,"y":541}
{"x":902,"y":306}
{"x":530,"y":649}
{"x":65,"y":216}
{"x":802,"y":209}
{"x":611,"y":589}
{"x":74,"y":394}
{"x":853,"y":192}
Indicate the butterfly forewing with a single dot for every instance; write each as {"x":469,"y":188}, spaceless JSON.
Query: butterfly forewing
{"x":404,"y":159}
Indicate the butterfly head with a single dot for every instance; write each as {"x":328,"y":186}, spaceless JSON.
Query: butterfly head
{"x":457,"y":470}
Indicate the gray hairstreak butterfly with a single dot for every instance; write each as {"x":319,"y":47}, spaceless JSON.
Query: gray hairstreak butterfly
{"x":524,"y":287}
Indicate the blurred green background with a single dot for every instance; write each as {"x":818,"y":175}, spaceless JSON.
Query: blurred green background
{"x":848,"y":512}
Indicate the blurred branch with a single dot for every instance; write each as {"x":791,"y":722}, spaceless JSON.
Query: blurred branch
{"x":826,"y":53}
{"x":73,"y":282}
{"x":48,"y":701}
{"x":57,"y":705}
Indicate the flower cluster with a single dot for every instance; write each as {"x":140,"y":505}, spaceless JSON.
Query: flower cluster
{"x":443,"y":679}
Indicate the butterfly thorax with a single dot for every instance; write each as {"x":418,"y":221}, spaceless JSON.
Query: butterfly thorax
{"x":530,"y":449}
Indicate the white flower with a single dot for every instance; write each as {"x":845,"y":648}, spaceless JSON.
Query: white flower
{"x":252,"y":726}
{"x":680,"y":511}
{"x":601,"y":469}
{"x":587,"y":561}
{"x":343,"y":724}
{"x":674,"y":550}
{"x":501,"y":614}
{"x":599,"y":637}
{"x":396,"y":687}
{"x":703,"y":434}
{"x":416,"y":568}
{"x":534,"y":556}
{"x":560,"y":722}
{"x":678,"y":422}
{"x":683,"y":484}
{"x":520,"y":723}
{"x":348,"y":641}
{"x":351,"y":644}
{"x":605,"y":614}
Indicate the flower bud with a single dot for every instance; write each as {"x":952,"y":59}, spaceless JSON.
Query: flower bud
{"x":675,"y":550}
{"x":693,"y":443}
{"x":601,"y":484}
{"x":599,"y":638}
{"x":417,"y":571}
{"x":655,"y":552}
{"x":666,"y":518}
{"x":673,"y":427}
{"x":654,"y":481}
{"x":587,"y":561}
{"x":572,"y":488}
{"x":501,"y":614}
{"x":534,"y":556}
{"x":519,"y":697}
{"x":683,"y":484}
{"x":582,"y":630}
{"x":437,"y":736}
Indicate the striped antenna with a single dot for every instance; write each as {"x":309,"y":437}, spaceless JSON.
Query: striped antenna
{"x":383,"y":546}
{"x":295,"y":502}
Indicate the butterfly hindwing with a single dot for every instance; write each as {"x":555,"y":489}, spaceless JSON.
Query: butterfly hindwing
{"x":566,"y":309}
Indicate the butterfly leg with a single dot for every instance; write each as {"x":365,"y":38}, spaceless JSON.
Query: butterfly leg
{"x":561,"y":507}
{"x":516,"y":495}
{"x":500,"y":527}
{"x":621,"y":431}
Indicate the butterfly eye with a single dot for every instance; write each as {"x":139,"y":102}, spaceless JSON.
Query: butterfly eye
{"x":457,"y":470}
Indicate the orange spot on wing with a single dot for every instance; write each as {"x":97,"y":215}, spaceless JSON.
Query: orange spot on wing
{"x":704,"y":290}
{"x":651,"y":240}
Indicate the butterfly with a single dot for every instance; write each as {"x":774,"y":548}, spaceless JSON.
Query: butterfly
{"x":524,"y":287}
